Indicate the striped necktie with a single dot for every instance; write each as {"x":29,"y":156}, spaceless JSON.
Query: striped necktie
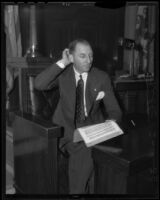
{"x":79,"y":111}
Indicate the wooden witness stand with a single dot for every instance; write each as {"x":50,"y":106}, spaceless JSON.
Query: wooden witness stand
{"x":37,"y":165}
{"x":36,"y":155}
{"x":124,"y":165}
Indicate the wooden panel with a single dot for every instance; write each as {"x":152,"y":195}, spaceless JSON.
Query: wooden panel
{"x":118,"y":172}
{"x":43,"y":103}
{"x":114,"y":182}
{"x":133,"y":95}
{"x":25,"y":67}
{"x":35,"y":155}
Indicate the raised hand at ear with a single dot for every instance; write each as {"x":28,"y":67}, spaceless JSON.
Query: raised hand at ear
{"x":66,"y":57}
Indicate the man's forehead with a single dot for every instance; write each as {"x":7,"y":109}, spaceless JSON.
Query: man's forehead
{"x":82,"y":47}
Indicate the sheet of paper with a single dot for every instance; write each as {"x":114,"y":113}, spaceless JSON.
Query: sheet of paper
{"x":95,"y":134}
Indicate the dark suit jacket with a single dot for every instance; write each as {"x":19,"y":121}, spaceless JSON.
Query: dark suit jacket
{"x":97,"y":81}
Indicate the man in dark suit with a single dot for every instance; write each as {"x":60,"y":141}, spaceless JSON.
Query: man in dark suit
{"x":76,"y":65}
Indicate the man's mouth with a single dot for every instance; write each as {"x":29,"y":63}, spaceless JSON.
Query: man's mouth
{"x":87,"y":66}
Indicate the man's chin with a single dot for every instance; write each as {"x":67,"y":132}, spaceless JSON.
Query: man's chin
{"x":87,"y":69}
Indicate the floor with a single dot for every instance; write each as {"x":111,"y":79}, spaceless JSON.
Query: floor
{"x":9,"y":180}
{"x":9,"y":162}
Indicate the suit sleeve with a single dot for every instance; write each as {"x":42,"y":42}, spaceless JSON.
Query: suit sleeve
{"x":48,"y":78}
{"x":111,"y":104}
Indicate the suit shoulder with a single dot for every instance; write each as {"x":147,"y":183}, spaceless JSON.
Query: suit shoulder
{"x":65,"y":71}
{"x":100,"y":73}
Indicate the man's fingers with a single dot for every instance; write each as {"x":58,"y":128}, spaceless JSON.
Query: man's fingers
{"x":65,"y":56}
{"x":66,"y":52}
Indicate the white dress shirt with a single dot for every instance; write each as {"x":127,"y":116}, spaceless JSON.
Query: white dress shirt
{"x":77,"y":77}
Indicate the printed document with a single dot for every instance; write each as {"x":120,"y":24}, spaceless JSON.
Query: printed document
{"x":97,"y":133}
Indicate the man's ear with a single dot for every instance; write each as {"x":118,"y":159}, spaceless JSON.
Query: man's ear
{"x":71,"y":57}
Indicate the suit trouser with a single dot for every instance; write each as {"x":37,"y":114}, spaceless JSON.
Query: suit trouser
{"x":80,"y":168}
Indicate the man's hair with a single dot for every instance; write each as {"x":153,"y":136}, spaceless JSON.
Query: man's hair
{"x":73,"y":44}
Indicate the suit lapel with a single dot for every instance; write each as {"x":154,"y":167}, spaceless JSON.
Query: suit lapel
{"x":91,"y":91}
{"x":70,"y":87}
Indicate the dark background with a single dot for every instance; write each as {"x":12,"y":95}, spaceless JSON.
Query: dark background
{"x":57,"y":25}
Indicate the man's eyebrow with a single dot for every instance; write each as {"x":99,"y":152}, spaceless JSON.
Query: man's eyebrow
{"x":85,"y":53}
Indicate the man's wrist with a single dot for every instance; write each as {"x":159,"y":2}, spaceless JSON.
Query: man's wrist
{"x":61,"y":64}
{"x":110,"y":120}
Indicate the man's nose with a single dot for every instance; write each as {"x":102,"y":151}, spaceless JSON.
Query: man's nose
{"x":89,"y":60}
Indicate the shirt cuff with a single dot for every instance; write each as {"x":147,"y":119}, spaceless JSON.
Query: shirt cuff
{"x":60,"y":64}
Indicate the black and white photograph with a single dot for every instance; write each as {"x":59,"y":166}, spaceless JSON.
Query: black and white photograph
{"x":80,"y":103}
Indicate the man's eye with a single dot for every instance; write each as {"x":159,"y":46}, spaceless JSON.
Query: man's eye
{"x":82,"y":56}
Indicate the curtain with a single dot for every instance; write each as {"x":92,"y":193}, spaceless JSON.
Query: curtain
{"x":144,"y":38}
{"x":12,"y":29}
{"x":13,"y":43}
{"x":129,"y":32}
{"x":140,"y":22}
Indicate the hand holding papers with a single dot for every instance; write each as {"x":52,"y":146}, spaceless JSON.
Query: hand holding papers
{"x":97,"y":133}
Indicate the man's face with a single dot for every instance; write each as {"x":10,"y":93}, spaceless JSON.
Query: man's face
{"x":82,"y":57}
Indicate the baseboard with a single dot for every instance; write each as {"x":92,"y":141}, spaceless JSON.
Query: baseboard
{"x":10,"y":190}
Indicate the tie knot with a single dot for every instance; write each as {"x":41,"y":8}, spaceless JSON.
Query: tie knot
{"x":80,"y":76}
